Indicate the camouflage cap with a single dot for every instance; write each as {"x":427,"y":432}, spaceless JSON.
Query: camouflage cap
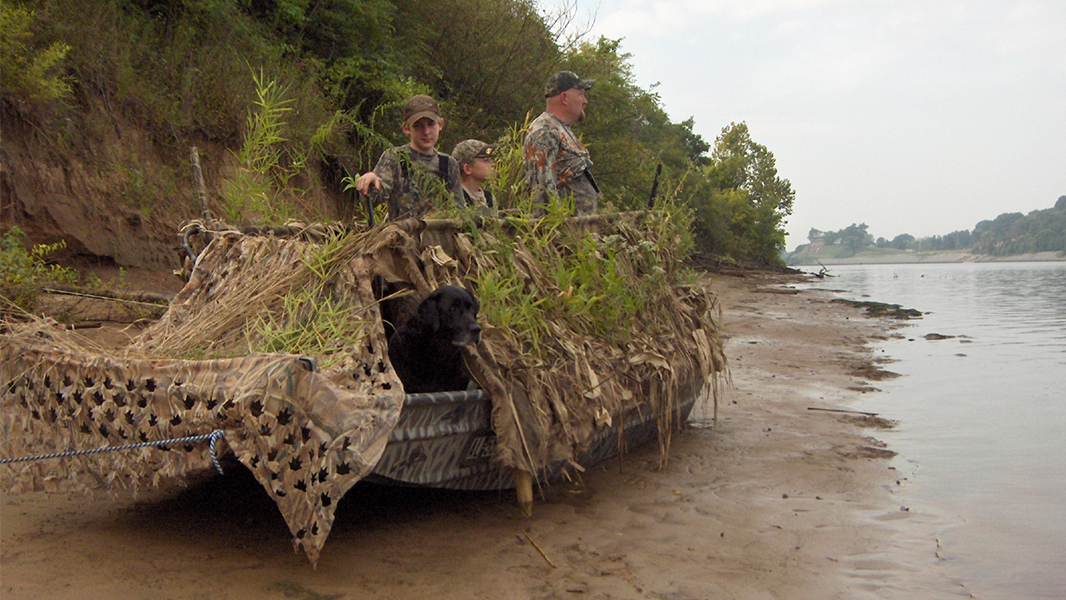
{"x":564,"y":80}
{"x":466,"y":151}
{"x":420,"y":106}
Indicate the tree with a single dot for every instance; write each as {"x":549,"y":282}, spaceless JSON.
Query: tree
{"x":990,"y":237}
{"x":958,"y":240}
{"x":31,"y":71}
{"x":627,"y":130}
{"x":328,"y":29}
{"x":902,"y":241}
{"x":855,"y":237}
{"x":739,"y":163}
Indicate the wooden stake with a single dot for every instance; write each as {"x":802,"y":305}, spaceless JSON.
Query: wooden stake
{"x":523,"y":485}
{"x":198,"y":177}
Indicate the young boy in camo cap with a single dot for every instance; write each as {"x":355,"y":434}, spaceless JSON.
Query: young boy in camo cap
{"x":413,"y":176}
{"x":476,"y":165}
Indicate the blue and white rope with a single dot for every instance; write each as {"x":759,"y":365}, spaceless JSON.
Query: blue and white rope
{"x":214,"y":436}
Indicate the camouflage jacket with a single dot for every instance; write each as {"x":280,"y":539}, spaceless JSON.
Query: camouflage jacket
{"x":482,"y":200}
{"x":557,"y":163}
{"x":412,"y":183}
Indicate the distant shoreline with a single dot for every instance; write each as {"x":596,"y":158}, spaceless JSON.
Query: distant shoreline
{"x":924,"y":258}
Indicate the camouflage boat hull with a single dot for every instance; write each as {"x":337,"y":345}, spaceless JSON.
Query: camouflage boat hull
{"x":445,"y":440}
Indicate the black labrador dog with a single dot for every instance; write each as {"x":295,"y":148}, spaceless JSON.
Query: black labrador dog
{"x":425,"y":350}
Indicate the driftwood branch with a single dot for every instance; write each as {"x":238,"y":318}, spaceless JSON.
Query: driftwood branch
{"x":841,"y":410}
{"x":823,"y":272}
{"x":526,"y":533}
{"x":154,"y":299}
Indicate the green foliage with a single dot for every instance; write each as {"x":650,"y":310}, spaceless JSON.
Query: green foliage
{"x":332,"y":76}
{"x":1007,"y":234}
{"x":175,"y":68}
{"x":756,"y":222}
{"x":627,"y":130}
{"x":1013,"y":233}
{"x":261,"y":186}
{"x":545,"y":271}
{"x":31,"y":68}
{"x":310,"y":322}
{"x":486,"y":60}
{"x":902,"y":241}
{"x":855,"y":237}
{"x":852,"y":238}
{"x":956,"y":240}
{"x":328,"y":29}
{"x":508,"y":184}
{"x":24,"y":272}
{"x":739,"y":200}
{"x":509,"y":304}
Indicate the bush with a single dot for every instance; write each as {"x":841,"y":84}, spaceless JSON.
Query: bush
{"x":24,"y":272}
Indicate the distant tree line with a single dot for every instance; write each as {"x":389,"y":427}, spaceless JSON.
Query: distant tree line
{"x":1009,"y":233}
{"x":181,"y":71}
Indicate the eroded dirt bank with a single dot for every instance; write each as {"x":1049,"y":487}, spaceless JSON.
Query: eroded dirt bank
{"x":779,"y":502}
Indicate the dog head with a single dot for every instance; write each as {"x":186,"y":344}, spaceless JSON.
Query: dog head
{"x":450,"y":312}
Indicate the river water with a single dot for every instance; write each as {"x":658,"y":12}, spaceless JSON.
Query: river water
{"x":982,"y":415}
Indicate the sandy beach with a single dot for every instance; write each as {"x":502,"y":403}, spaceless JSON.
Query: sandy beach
{"x":777,"y":501}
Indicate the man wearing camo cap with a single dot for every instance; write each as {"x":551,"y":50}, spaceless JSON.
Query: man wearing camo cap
{"x":556,"y":162}
{"x":413,"y":177}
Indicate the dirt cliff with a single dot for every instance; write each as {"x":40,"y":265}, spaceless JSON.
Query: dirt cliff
{"x":110,"y":189}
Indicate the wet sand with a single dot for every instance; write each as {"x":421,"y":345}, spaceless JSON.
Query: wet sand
{"x":778,"y":501}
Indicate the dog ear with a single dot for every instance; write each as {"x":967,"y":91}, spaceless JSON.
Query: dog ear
{"x":429,"y":313}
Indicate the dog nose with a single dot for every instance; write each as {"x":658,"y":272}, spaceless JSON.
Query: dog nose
{"x":476,"y":330}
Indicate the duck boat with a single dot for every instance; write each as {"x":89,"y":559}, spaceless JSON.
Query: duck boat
{"x":277,"y":343}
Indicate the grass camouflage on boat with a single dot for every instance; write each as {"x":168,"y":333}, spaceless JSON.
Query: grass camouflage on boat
{"x":279,"y":342}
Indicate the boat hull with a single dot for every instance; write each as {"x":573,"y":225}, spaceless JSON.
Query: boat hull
{"x":446,"y":441}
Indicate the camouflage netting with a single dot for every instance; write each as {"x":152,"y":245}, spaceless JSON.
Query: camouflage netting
{"x":311,"y":422}
{"x":307,"y":433}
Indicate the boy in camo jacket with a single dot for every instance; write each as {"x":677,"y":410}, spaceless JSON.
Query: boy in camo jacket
{"x":476,"y":166}
{"x":413,"y":176}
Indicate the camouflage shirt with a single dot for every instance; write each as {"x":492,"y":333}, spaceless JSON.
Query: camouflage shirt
{"x":557,"y":162}
{"x":412,"y":183}
{"x":482,"y":199}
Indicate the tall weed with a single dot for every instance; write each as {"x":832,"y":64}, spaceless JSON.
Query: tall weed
{"x":312,"y":320}
{"x":260,"y":188}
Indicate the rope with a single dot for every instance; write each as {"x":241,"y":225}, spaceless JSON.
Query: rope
{"x":214,"y":436}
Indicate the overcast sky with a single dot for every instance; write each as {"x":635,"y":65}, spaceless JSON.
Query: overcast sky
{"x":912,"y":116}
